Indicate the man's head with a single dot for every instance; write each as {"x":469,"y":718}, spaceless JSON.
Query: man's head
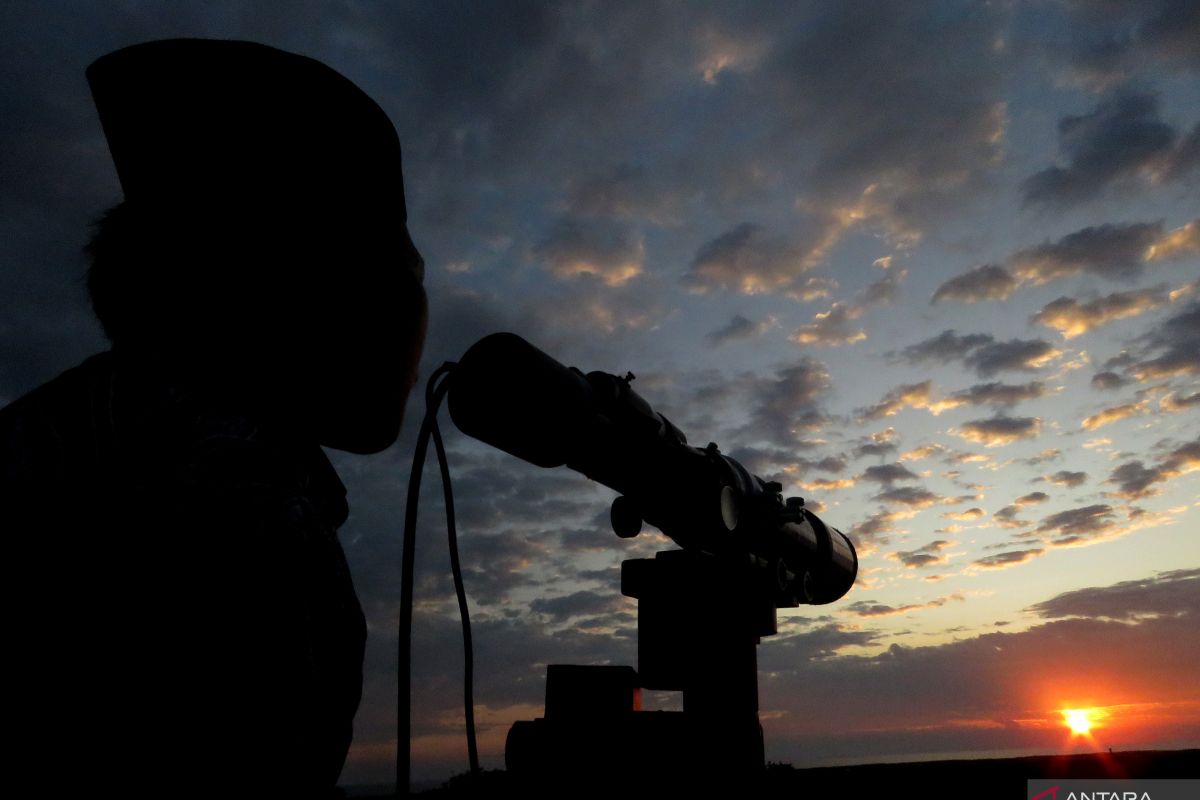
{"x":261,"y":248}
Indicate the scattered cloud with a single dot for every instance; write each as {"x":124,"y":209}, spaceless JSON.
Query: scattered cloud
{"x":612,"y":252}
{"x":910,"y":496}
{"x":1173,"y":402}
{"x":883,"y":291}
{"x":999,"y":430}
{"x":1071,"y":318}
{"x":1135,"y":480}
{"x":1114,"y":414}
{"x":1120,"y":142}
{"x":625,"y":191}
{"x":1008,"y":559}
{"x":887,"y":474}
{"x":1007,"y":517}
{"x":831,"y":328}
{"x":1107,"y":381}
{"x":788,"y":404}
{"x":870,"y":608}
{"x":1181,"y":242}
{"x":1068,"y":478}
{"x":1161,"y":595}
{"x":1115,"y":252}
{"x":914,"y":395}
{"x":577,"y":604}
{"x":922,"y":453}
{"x":880,"y":443}
{"x":1080,"y":525}
{"x":925,"y":556}
{"x":987,"y":282}
{"x":981,"y":352}
{"x":740,"y":328}
{"x":1015,"y":355}
{"x":814,"y":288}
{"x":1172,"y":349}
{"x":748,"y":259}
{"x":1004,"y":395}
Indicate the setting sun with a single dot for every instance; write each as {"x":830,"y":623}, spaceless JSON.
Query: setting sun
{"x":1077,"y":720}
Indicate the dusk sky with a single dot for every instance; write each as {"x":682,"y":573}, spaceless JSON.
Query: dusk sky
{"x":935,"y":266}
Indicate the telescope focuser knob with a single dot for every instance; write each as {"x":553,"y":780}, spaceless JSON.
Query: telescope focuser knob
{"x":626,"y":518}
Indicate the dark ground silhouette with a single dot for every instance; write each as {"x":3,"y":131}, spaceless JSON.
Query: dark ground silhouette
{"x":999,"y":778}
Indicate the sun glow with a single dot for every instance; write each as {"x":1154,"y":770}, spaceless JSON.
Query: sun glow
{"x":1078,"y":720}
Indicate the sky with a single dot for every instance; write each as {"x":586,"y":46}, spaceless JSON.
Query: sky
{"x":933,"y":266}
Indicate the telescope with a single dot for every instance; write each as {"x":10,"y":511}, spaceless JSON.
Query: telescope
{"x":745,"y":552}
{"x":509,"y":394}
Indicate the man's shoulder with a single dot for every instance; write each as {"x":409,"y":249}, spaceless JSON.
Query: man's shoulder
{"x":43,"y":429}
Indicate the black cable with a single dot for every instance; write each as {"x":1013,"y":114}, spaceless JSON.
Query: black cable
{"x":463,"y":613}
{"x":405,"y":645}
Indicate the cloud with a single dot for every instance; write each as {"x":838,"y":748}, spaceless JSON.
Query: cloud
{"x":874,"y":530}
{"x":1049,"y":454}
{"x":923,"y":452}
{"x":583,"y":603}
{"x":999,"y":430}
{"x":1016,"y":355}
{"x":1072,"y":318}
{"x":1179,"y":243}
{"x":1171,"y":349}
{"x":1007,"y":517}
{"x":831,"y":328}
{"x":612,"y":252}
{"x":870,"y":608}
{"x":880,"y":443}
{"x":1003,"y":395}
{"x":1031,"y":499}
{"x":1079,"y":525}
{"x":1114,"y":414}
{"x":1174,"y":402}
{"x":740,"y":328}
{"x":827,"y":484}
{"x":1107,"y":381}
{"x":1115,"y":252}
{"x":945,"y":347}
{"x":1135,"y":480}
{"x":788,"y":404}
{"x":885,"y":290}
{"x":1164,"y":594}
{"x":913,"y":395}
{"x":1008,"y":559}
{"x":1067,"y":478}
{"x":887,"y":474}
{"x":1121,"y":141}
{"x":810,"y":289}
{"x":748,"y":259}
{"x":911,"y":496}
{"x":919,"y":395}
{"x":925,"y":556}
{"x":968,"y":515}
{"x":625,"y":191}
{"x":980,"y":351}
{"x":1112,"y":42}
{"x":987,"y":282}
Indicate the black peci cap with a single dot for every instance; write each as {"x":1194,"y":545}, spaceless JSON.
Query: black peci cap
{"x":202,"y":121}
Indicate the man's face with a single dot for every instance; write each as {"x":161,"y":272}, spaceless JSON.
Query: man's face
{"x":375,"y":329}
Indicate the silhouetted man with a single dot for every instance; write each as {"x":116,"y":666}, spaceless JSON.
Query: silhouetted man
{"x":186,"y":615}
